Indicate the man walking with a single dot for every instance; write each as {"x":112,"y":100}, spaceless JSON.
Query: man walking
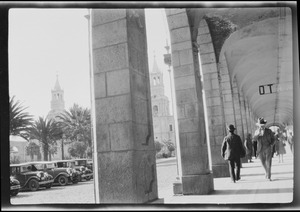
{"x":265,"y":141}
{"x":232,"y":150}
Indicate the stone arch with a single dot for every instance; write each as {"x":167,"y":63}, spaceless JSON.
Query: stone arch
{"x":215,"y":98}
{"x":281,"y":126}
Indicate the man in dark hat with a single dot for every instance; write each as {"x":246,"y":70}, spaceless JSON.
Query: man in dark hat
{"x":265,"y":141}
{"x":232,"y":150}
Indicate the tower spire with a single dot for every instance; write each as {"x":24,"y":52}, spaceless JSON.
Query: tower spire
{"x":155,"y":68}
{"x":57,"y":85}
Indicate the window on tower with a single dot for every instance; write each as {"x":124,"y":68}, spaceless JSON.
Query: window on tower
{"x":171,"y":127}
{"x":155,"y":110}
{"x":154,"y":81}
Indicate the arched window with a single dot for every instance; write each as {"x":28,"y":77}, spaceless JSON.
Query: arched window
{"x":154,"y":81}
{"x":155,"y":110}
{"x":158,"y":80}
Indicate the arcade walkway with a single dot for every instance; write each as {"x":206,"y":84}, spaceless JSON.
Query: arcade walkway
{"x":252,"y":188}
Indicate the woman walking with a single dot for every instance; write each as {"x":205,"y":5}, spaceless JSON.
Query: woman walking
{"x":280,"y":146}
{"x":249,"y":147}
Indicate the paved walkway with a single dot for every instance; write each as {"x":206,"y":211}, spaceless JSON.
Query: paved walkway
{"x":252,"y":188}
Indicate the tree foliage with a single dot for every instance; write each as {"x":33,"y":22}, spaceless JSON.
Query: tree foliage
{"x":77,"y":149}
{"x":76,"y":126}
{"x":220,"y":29}
{"x":32,"y":149}
{"x":46,"y":132}
{"x":170,"y":146}
{"x":158,"y":146}
{"x":20,"y":121}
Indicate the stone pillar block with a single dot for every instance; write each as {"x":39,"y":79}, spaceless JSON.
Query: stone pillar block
{"x":196,"y":178}
{"x":220,"y":170}
{"x":180,"y":35}
{"x":197,"y":184}
{"x":124,"y":133}
{"x":176,"y":21}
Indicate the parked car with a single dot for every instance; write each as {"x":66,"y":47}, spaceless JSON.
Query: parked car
{"x":85,"y":173}
{"x":84,"y":167}
{"x":90,"y":164}
{"x":84,"y":162}
{"x":29,"y":177}
{"x":61,"y":175}
{"x":14,"y":186}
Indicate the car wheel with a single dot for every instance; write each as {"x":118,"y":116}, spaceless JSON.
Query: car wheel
{"x":33,"y":185}
{"x":62,"y":180}
{"x":14,"y":193}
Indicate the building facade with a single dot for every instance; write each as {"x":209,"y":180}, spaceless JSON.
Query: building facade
{"x":163,"y":122}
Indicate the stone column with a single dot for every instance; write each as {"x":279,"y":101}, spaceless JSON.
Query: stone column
{"x":237,"y":109}
{"x":243,"y":114}
{"x":214,"y":99}
{"x":243,"y":134}
{"x":219,"y":165}
{"x":196,"y":177}
{"x":124,"y":132}
{"x":249,"y":122}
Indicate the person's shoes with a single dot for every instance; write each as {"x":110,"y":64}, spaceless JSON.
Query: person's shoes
{"x":251,"y":161}
{"x":232,"y":181}
{"x":238,"y":179}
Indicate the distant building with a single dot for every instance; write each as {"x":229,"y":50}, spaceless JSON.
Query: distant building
{"x":163,"y":122}
{"x":57,"y":108}
{"x":18,"y":149}
{"x":57,"y":101}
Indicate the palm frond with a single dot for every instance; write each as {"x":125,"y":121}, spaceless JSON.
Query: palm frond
{"x":20,"y":121}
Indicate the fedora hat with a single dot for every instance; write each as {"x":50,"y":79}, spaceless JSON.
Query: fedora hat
{"x":231,"y":127}
{"x":261,"y":121}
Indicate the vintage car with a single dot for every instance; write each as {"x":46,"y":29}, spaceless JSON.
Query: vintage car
{"x":61,"y":175}
{"x":30,"y":178}
{"x":84,"y":172}
{"x":85,"y":167}
{"x":90,"y":164}
{"x":14,"y":186}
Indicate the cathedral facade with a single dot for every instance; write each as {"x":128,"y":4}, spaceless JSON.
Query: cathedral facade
{"x":163,"y":122}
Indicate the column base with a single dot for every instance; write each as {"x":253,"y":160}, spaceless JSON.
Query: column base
{"x":197,"y":184}
{"x":177,"y":187}
{"x":220,"y":170}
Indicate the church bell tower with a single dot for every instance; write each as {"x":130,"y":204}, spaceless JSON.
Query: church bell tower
{"x":57,"y":100}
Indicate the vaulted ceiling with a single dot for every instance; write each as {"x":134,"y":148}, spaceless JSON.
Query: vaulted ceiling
{"x":259,"y":56}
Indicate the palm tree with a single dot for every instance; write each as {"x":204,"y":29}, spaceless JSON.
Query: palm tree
{"x":32,"y":149}
{"x":76,"y":124}
{"x":20,"y":121}
{"x":46,"y":132}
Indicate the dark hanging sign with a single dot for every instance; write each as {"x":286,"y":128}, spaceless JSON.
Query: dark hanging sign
{"x":266,"y":89}
{"x":167,"y":59}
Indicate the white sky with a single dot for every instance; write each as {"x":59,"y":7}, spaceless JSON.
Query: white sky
{"x":47,"y":42}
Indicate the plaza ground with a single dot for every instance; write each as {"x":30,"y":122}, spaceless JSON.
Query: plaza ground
{"x":253,"y":188}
